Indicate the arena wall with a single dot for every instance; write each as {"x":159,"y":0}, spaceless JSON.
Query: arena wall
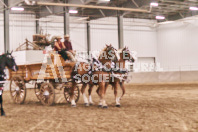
{"x":173,"y":46}
{"x":163,"y":77}
{"x":177,"y":45}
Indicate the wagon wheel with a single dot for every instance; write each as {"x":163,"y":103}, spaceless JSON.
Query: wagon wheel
{"x":47,"y":94}
{"x":18,"y":89}
{"x":37,"y":90}
{"x":67,"y":93}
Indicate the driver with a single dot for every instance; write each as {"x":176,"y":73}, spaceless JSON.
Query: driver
{"x":69,"y":49}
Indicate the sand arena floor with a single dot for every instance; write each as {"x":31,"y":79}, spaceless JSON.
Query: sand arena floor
{"x":151,"y":108}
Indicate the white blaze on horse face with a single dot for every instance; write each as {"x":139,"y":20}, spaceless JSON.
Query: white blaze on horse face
{"x":85,"y":99}
{"x":118,"y":55}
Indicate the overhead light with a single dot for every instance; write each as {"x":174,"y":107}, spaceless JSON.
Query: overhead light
{"x":17,"y":9}
{"x":160,"y":17}
{"x":193,"y":8}
{"x":73,"y":11}
{"x":154,"y":4}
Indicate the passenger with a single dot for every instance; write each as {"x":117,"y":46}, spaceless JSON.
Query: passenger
{"x":69,"y":49}
{"x":60,"y":48}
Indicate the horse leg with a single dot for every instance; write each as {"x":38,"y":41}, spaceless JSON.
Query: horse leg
{"x":89,"y":91}
{"x":73,"y":103}
{"x":98,"y":92}
{"x":123,"y":88}
{"x":102,"y":94}
{"x":1,"y":101}
{"x":84,"y":95}
{"x":115,"y":93}
{"x":106,"y":85}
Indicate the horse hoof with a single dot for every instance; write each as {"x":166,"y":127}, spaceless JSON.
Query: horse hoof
{"x":3,"y":114}
{"x":86,"y":104}
{"x":118,"y":106}
{"x":73,"y":105}
{"x":105,"y":107}
{"x":91,"y":104}
{"x":99,"y":106}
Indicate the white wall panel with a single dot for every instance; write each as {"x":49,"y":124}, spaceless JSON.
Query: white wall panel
{"x":177,"y":46}
{"x":139,"y":35}
{"x":78,"y":33}
{"x":21,"y":27}
{"x":104,"y":31}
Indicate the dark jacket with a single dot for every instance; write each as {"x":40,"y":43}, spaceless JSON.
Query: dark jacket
{"x":68,"y":45}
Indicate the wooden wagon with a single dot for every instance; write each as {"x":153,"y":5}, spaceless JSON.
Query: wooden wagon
{"x":48,"y":76}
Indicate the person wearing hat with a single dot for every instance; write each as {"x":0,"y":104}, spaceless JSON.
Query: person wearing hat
{"x":58,"y":44}
{"x":60,"y":47}
{"x":69,"y":49}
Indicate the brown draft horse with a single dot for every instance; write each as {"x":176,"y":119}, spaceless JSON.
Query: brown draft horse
{"x":95,"y":74}
{"x":119,"y":74}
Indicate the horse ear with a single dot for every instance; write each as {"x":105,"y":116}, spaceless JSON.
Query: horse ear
{"x":7,"y":52}
{"x":11,"y":52}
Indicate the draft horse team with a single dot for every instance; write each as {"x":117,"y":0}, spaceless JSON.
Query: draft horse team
{"x":109,"y":68}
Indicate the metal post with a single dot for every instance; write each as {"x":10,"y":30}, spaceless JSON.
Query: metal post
{"x":37,"y":26}
{"x":120,"y":32}
{"x":6,"y":27}
{"x":88,"y":37}
{"x":66,"y":19}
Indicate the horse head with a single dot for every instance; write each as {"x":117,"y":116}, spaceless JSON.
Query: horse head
{"x":108,"y":53}
{"x":10,"y":61}
{"x":128,"y":55}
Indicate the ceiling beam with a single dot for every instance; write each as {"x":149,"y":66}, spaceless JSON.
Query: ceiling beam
{"x":92,"y":7}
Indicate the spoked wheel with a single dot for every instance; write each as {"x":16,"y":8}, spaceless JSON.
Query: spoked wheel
{"x":67,"y":93}
{"x":37,"y":90}
{"x":47,"y":94}
{"x":17,"y":89}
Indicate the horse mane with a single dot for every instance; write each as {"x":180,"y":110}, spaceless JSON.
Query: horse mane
{"x":102,"y":51}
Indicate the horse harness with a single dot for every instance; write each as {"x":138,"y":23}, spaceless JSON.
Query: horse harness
{"x":116,"y":72}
